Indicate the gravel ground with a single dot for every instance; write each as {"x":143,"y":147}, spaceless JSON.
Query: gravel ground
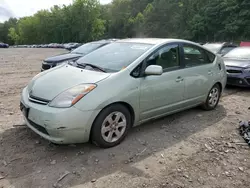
{"x":193,"y":148}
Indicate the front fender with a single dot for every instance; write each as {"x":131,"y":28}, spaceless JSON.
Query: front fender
{"x":120,"y":87}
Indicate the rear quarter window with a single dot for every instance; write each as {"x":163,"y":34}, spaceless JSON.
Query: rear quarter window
{"x":210,"y":57}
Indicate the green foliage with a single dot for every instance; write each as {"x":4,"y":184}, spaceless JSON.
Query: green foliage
{"x":87,"y":20}
{"x":4,"y":29}
{"x":13,"y":36}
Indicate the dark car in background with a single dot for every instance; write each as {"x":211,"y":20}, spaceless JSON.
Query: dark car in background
{"x":237,"y":64}
{"x":74,"y":54}
{"x":220,"y":48}
{"x":3,"y":45}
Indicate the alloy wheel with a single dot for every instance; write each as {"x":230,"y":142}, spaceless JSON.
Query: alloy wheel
{"x":213,"y":97}
{"x":113,"y":127}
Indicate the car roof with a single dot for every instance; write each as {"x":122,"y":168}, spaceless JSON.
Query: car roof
{"x":221,"y":43}
{"x":154,"y":41}
{"x":104,"y":41}
{"x":243,"y":47}
{"x":215,"y":43}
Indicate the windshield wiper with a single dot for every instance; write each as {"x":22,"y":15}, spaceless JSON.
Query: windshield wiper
{"x":91,"y":65}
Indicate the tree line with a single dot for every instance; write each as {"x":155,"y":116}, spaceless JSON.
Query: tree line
{"x":87,"y":20}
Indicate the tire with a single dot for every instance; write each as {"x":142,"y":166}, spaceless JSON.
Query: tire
{"x":212,"y":96}
{"x":106,"y":125}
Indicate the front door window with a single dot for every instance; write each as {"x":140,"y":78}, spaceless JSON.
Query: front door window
{"x":167,"y":57}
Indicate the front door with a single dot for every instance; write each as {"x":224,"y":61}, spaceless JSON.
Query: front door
{"x":165,"y":93}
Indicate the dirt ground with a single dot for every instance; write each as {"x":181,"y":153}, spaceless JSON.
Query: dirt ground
{"x":190,"y":149}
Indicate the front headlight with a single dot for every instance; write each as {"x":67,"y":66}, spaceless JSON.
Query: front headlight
{"x":71,"y":96}
{"x":247,"y":70}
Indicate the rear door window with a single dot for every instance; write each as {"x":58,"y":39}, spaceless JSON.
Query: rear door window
{"x":195,"y":56}
{"x":210,"y":57}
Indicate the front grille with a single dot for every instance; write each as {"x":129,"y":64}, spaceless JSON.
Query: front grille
{"x":38,"y":127}
{"x":248,"y":80}
{"x":38,"y":100}
{"x":234,"y":71}
{"x":46,"y":66}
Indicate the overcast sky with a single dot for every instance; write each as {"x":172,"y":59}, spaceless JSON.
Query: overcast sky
{"x":20,"y":8}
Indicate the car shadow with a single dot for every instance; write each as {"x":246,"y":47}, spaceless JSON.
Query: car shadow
{"x":238,"y":91}
{"x":30,"y":161}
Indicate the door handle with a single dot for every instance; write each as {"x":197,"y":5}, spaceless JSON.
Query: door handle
{"x":179,"y":79}
{"x":210,"y":72}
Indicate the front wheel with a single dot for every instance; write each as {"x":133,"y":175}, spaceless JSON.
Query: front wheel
{"x":111,"y":126}
{"x":212,"y":98}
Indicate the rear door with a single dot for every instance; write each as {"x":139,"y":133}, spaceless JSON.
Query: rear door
{"x":200,"y":70}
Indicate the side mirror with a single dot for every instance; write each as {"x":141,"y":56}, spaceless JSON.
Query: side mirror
{"x":154,"y":70}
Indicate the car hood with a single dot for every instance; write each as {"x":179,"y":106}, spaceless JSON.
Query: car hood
{"x":63,"y":57}
{"x":48,"y":84}
{"x":237,"y":62}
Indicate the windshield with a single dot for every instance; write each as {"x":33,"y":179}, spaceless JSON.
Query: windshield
{"x":241,"y":53}
{"x":115,"y":56}
{"x":227,"y":49}
{"x":213,"y":47}
{"x":87,"y":48}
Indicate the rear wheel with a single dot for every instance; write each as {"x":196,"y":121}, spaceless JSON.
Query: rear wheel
{"x":111,"y":126}
{"x":212,"y":98}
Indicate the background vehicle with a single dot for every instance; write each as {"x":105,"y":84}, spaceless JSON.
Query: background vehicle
{"x":220,"y":48}
{"x":74,"y":55}
{"x":3,"y":45}
{"x":121,"y":85}
{"x":71,"y":46}
{"x":238,"y":67}
{"x":245,"y":43}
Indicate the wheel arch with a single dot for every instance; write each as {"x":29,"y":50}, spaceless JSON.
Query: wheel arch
{"x":220,"y":85}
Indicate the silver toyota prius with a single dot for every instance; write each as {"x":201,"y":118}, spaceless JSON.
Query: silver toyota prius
{"x":105,"y":93}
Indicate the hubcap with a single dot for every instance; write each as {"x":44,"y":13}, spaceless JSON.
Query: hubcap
{"x":213,"y":97}
{"x":113,"y":127}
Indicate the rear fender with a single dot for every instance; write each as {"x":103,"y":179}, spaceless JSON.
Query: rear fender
{"x":221,"y":67}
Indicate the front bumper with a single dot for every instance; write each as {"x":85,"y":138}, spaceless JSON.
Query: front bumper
{"x":58,"y":125}
{"x":238,"y":80}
